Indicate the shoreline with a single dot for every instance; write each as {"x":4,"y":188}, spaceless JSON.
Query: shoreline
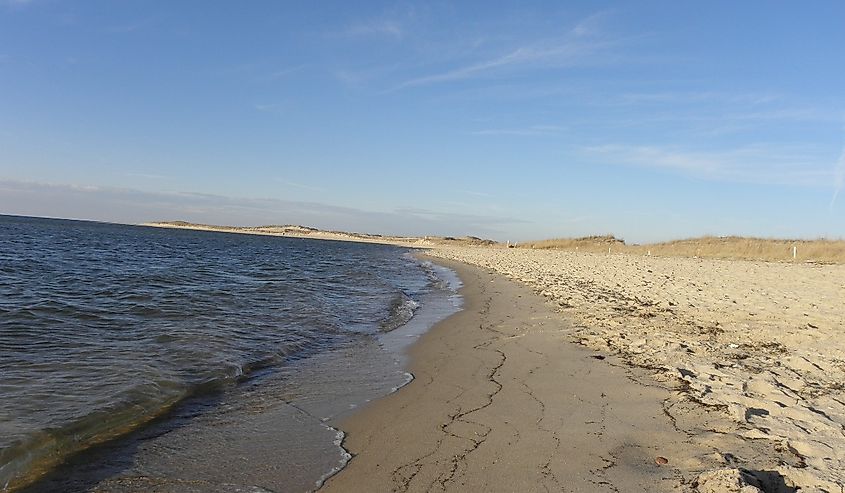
{"x":502,"y":400}
{"x":754,"y":345}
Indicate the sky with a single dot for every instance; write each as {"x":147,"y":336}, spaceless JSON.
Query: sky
{"x":507,"y":120}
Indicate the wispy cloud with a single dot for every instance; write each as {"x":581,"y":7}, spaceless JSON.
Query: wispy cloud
{"x":9,"y":59}
{"x":438,"y":216}
{"x":148,"y":176}
{"x":128,"y":28}
{"x":721,"y":118}
{"x":394,"y":24}
{"x":375,"y":27}
{"x":352,"y":77}
{"x":16,"y":3}
{"x":760,"y":164}
{"x":579,"y":43}
{"x":477,"y":194}
{"x":591,"y":25}
{"x":269,"y":108}
{"x":280,"y":73}
{"x":696,"y":97}
{"x":360,"y":76}
{"x":301,"y":186}
{"x":67,"y":19}
{"x":532,"y":131}
{"x":135,"y":206}
{"x":261,"y":71}
{"x":565,"y":53}
{"x":576,"y":219}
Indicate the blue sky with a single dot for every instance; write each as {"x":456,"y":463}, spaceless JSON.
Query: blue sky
{"x":649,"y":120}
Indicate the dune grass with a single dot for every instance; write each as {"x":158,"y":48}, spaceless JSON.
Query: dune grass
{"x":725,"y":247}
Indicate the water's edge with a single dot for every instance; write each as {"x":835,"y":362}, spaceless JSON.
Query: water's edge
{"x":399,"y":347}
{"x":129,"y":460}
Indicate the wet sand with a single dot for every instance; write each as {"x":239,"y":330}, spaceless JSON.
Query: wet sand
{"x":503,"y":400}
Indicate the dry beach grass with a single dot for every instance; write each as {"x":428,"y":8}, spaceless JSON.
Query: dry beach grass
{"x":723,"y":247}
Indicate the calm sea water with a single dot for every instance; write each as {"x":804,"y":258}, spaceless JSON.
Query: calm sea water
{"x":106,"y":328}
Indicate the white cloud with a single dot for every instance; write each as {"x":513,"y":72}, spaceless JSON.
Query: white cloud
{"x":128,"y":28}
{"x":270,"y":108}
{"x":694,"y":97}
{"x":280,"y":73}
{"x":135,"y":206}
{"x":477,"y":194}
{"x":581,"y":42}
{"x":376,"y":27}
{"x":358,"y":77}
{"x":301,"y":186}
{"x":590,"y":25}
{"x":147,"y":176}
{"x":761,"y":164}
{"x":558,"y":55}
{"x":533,"y":130}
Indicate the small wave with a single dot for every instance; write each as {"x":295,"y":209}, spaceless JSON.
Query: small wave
{"x":402,"y":309}
{"x":409,"y":377}
{"x":29,"y":459}
{"x":345,"y":457}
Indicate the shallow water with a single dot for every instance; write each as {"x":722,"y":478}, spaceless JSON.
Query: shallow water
{"x":145,"y":358}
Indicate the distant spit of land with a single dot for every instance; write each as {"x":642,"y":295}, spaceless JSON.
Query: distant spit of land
{"x":296,"y":231}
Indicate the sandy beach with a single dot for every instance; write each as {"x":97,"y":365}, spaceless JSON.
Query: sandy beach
{"x":750,"y":356}
{"x":591,"y":372}
{"x":643,"y":205}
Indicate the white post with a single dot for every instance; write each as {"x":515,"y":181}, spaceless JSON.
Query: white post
{"x":649,"y":253}
{"x":608,"y":249}
{"x":794,"y":252}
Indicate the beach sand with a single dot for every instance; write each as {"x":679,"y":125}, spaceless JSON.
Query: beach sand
{"x":753,"y":351}
{"x":503,"y":400}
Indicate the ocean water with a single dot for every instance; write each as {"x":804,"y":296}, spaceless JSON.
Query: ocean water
{"x":135,"y":358}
